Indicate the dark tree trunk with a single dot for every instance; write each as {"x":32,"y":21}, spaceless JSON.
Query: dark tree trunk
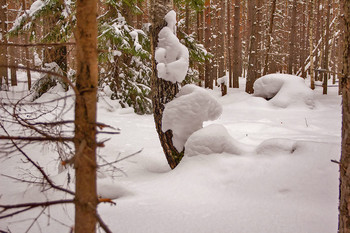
{"x":326,"y":50}
{"x":3,"y":49}
{"x":85,"y":117}
{"x":162,"y":91}
{"x":252,"y":61}
{"x":236,"y":45}
{"x":344,"y":202}
{"x":292,"y":38}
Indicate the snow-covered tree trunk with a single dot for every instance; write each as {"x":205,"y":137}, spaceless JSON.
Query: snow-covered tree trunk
{"x":269,"y":37}
{"x":344,"y":202}
{"x":252,"y":61}
{"x":162,"y":91}
{"x":85,"y":117}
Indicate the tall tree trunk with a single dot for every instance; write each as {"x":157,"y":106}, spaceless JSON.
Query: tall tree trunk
{"x":311,"y":44}
{"x":221,"y":40}
{"x":252,"y":61}
{"x":269,"y":37}
{"x":3,"y":48}
{"x":344,"y":202}
{"x":200,"y":32}
{"x":208,"y":81}
{"x":85,"y":117}
{"x":162,"y":91}
{"x":229,"y":55}
{"x":236,"y":45}
{"x":292,"y":37}
{"x":326,"y":52}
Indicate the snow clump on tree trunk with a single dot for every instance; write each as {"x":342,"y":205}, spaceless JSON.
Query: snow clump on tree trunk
{"x":171,"y":56}
{"x":284,"y":90}
{"x":186,"y":113}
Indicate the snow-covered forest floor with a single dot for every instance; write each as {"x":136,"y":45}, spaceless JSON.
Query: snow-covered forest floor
{"x":283,"y":182}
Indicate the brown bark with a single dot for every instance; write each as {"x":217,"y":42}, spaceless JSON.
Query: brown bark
{"x":269,"y":37}
{"x":85,"y":117}
{"x":344,"y":197}
{"x":311,"y":44}
{"x":326,"y":52}
{"x":3,"y":48}
{"x":236,"y":45}
{"x":208,"y":80}
{"x":292,"y":39}
{"x":162,"y":91}
{"x":229,"y":55}
{"x":252,"y":62}
{"x":221,"y":40}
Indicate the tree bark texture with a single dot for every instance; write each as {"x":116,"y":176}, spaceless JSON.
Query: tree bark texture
{"x":344,"y":202}
{"x":252,"y":61}
{"x":269,"y":37}
{"x":327,"y":48}
{"x":162,"y":91}
{"x":311,"y":44}
{"x":292,"y":38}
{"x":85,"y":117}
{"x":3,"y":48}
{"x":236,"y":45}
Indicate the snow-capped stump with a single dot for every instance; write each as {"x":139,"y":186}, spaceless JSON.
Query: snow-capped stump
{"x":275,"y":146}
{"x":171,"y":56}
{"x":283,"y":90}
{"x":186,"y":113}
{"x":213,"y":139}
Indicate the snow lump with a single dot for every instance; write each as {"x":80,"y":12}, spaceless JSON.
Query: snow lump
{"x":186,"y":113}
{"x":283,"y":90}
{"x":213,"y":139}
{"x":172,"y":56}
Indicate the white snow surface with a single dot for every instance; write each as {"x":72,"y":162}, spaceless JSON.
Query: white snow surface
{"x":171,"y":56}
{"x":284,"y":90}
{"x":186,"y":113}
{"x":282,"y":182}
{"x":212,"y":139}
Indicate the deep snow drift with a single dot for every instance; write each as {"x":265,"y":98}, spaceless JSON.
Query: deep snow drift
{"x":284,"y":90}
{"x":282,"y":182}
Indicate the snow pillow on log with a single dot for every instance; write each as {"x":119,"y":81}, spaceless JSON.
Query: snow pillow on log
{"x":284,"y":90}
{"x":213,"y":139}
{"x":186,"y":113}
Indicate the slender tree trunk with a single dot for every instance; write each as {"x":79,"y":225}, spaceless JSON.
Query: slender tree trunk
{"x":162,"y":91}
{"x":229,"y":55}
{"x":3,"y":48}
{"x":200,"y":32}
{"x":252,"y":61}
{"x":269,"y":37}
{"x":326,"y":52}
{"x":208,"y":82}
{"x":311,"y":44}
{"x":85,"y":117}
{"x":292,"y":53}
{"x":344,"y":197}
{"x":236,"y":45}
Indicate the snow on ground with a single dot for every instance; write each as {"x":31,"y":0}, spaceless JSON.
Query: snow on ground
{"x":282,"y":182}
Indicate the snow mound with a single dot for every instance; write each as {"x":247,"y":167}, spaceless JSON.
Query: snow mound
{"x":284,"y":90}
{"x":172,"y":56}
{"x":213,"y":139}
{"x":107,"y":189}
{"x":186,"y":113}
{"x":275,"y":146}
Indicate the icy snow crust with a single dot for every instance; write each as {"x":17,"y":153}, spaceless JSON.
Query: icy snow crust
{"x":282,"y":181}
{"x":186,"y":113}
{"x":284,"y":90}
{"x":171,"y":56}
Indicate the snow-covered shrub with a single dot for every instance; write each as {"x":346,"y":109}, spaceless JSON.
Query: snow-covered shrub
{"x":125,"y":67}
{"x":212,"y":139}
{"x":283,"y":90}
{"x":47,"y":81}
{"x":186,"y":113}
